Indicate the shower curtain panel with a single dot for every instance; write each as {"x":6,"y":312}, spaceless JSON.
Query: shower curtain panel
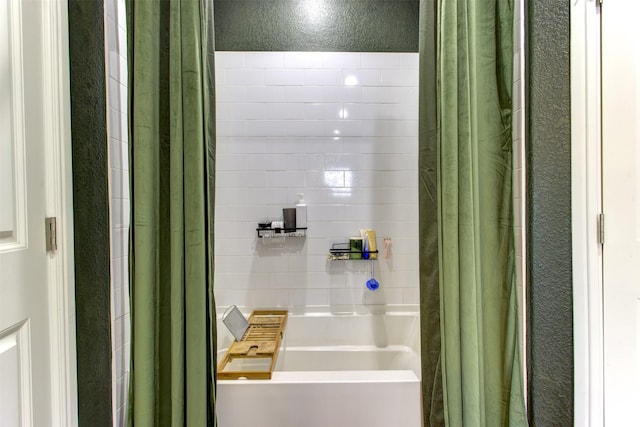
{"x":479,"y":362}
{"x":432,"y":407}
{"x":172,"y":377}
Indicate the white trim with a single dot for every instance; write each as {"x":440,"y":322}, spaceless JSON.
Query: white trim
{"x":519,"y":112}
{"x":19,"y":336}
{"x":19,"y":240}
{"x":112,"y":310}
{"x":586,"y":178}
{"x":57,"y":125}
{"x":23,"y":341}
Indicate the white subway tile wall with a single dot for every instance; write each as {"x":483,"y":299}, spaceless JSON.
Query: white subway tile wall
{"x":342,"y":128}
{"x":119,"y":202}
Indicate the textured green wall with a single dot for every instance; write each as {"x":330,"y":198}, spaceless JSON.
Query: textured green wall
{"x":311,"y":25}
{"x":90,"y":211}
{"x":550,"y":311}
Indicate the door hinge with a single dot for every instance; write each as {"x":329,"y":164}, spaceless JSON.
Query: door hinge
{"x":601,"y":229}
{"x":51,"y":234}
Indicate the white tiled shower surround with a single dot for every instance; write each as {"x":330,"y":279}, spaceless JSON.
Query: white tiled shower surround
{"x":119,"y":202}
{"x":342,"y":128}
{"x":370,"y":182}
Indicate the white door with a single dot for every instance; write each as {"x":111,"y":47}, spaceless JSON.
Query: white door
{"x":26,"y":339}
{"x":621,"y":205}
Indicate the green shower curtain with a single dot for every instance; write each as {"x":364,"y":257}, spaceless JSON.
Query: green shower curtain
{"x":432,"y":408}
{"x":172,"y":377}
{"x":479,"y":359}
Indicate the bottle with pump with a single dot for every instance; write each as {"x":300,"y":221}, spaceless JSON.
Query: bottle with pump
{"x":301,"y":212}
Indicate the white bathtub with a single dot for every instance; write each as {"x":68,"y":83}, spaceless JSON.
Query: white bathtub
{"x":351,"y":370}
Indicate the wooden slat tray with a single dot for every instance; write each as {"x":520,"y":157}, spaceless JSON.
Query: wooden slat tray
{"x":254,"y":357}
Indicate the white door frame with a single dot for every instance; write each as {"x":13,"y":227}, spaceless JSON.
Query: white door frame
{"x":57,"y":131}
{"x":586,"y":204}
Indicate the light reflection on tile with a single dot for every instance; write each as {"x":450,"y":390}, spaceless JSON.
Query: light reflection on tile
{"x":343,"y":129}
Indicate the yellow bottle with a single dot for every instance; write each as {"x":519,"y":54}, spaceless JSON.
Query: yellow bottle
{"x":371,"y":237}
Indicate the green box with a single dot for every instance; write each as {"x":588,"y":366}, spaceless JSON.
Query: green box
{"x":355,"y":248}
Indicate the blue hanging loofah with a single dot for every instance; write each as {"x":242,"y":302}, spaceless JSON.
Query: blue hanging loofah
{"x":372,"y":284}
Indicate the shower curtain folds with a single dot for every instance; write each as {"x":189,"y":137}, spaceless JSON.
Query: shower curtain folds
{"x":432,"y":407}
{"x":478,"y":356}
{"x":172,"y":376}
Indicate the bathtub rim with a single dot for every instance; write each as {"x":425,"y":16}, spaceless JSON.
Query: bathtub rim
{"x":334,"y":310}
{"x":364,"y":376}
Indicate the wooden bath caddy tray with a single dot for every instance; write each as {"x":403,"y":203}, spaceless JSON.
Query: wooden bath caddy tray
{"x":254,"y":357}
